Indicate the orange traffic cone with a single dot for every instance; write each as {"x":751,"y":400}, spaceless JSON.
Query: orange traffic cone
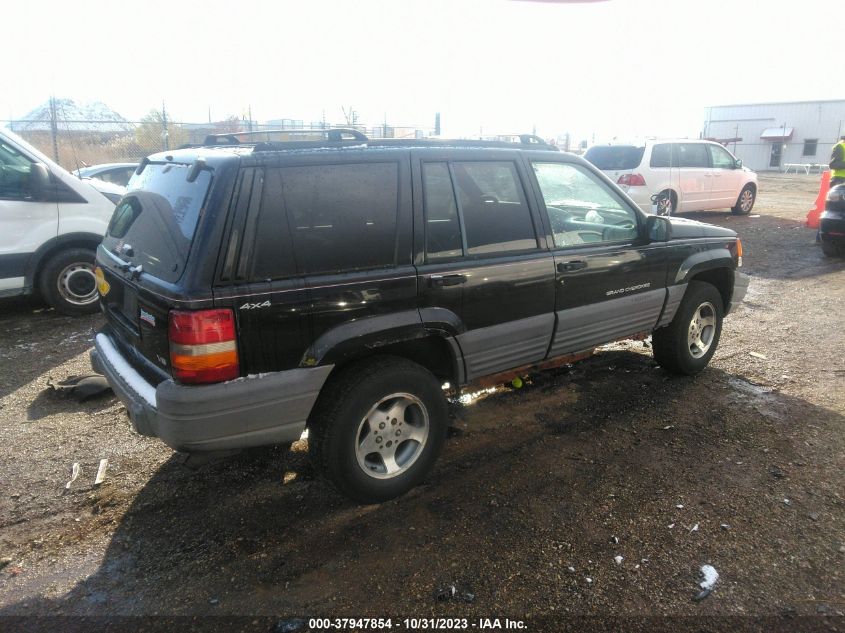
{"x":813,"y":215}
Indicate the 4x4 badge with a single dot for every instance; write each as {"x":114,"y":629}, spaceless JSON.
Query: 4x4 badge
{"x":254,"y":306}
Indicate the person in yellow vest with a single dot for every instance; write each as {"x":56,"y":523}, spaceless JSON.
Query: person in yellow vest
{"x":837,"y":163}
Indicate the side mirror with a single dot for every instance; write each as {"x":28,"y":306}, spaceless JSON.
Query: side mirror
{"x":39,"y":181}
{"x":658,"y":228}
{"x":738,"y":164}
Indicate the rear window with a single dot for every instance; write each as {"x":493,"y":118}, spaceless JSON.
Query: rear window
{"x":154,"y":224}
{"x":615,"y":157}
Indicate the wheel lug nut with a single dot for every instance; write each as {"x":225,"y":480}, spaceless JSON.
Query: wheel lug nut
{"x":390,"y":443}
{"x":398,"y":433}
{"x":379,"y":440}
{"x":381,"y":425}
{"x":393,"y":421}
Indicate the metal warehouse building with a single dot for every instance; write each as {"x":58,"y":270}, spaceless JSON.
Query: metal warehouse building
{"x":795,"y":136}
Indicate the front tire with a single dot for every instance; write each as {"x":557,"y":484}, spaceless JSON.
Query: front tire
{"x":378,"y":428}
{"x":745,"y":201}
{"x":67,"y":282}
{"x":688,"y":343}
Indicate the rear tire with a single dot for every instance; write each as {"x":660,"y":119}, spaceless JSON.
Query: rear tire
{"x":688,"y":343}
{"x":667,"y":203}
{"x":67,"y":282}
{"x":745,"y":201}
{"x":378,"y":427}
{"x":830,"y":249}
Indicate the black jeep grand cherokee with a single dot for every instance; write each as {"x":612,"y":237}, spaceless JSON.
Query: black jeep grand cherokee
{"x":253,"y":290}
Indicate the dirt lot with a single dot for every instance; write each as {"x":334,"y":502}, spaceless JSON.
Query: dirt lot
{"x":537,"y":493}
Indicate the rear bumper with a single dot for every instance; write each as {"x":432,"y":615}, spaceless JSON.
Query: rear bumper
{"x":741,"y":281}
{"x":640,"y":195}
{"x":253,"y":411}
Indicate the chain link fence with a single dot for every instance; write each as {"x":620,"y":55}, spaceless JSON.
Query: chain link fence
{"x":79,"y":143}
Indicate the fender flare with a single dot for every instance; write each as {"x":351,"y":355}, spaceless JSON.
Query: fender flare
{"x":704,"y":260}
{"x":345,"y":341}
{"x":56,"y":244}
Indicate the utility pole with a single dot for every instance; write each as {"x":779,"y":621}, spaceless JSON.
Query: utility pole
{"x":164,"y":135}
{"x":436,"y":124}
{"x":54,"y":129}
{"x":384,"y":127}
{"x":249,"y":110}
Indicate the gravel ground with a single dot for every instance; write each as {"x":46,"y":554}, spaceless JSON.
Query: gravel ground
{"x":598,"y":489}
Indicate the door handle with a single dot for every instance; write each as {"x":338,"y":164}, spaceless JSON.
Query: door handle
{"x":438,"y":281}
{"x":565,"y":267}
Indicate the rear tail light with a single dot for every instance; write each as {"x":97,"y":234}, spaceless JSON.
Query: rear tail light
{"x":202,"y":346}
{"x":632,"y":180}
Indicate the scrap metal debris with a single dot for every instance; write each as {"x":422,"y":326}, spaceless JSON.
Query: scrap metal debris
{"x":82,"y":387}
{"x":450,"y":592}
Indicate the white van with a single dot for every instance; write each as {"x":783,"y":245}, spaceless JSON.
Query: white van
{"x":681,"y":175}
{"x":50,"y":225}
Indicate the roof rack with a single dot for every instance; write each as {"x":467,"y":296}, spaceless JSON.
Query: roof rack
{"x":333,"y":135}
{"x":341,"y":137}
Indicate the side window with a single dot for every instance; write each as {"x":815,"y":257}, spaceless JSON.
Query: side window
{"x":273,"y":256}
{"x":342,"y":217}
{"x":693,"y":155}
{"x":721,"y":159}
{"x":15,"y":169}
{"x":442,"y":226}
{"x":582,"y":209}
{"x":495,"y":213}
{"x":663,"y":155}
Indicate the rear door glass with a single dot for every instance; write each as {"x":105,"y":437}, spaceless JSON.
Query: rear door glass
{"x":155,"y":222}
{"x":615,"y":157}
{"x":693,"y":155}
{"x":342,"y":217}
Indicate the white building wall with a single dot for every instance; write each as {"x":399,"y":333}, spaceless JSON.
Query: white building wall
{"x":822,"y":120}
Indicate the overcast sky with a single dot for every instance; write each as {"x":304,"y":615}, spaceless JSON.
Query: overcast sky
{"x":615,"y":68}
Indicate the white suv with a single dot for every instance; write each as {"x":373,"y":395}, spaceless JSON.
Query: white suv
{"x":665,"y":176}
{"x":50,"y":225}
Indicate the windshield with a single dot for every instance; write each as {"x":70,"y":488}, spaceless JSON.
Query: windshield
{"x":615,"y":157}
{"x":154,"y":224}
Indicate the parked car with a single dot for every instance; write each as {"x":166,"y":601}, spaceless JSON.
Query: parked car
{"x":50,"y":225}
{"x":832,"y":222}
{"x":666,"y":176}
{"x":254,"y":291}
{"x":116,"y":173}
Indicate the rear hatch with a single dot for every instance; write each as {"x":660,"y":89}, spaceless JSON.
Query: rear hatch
{"x":143,"y":257}
{"x":615,"y":160}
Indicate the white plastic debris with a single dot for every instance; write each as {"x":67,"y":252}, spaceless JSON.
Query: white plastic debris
{"x":570,"y":569}
{"x":589,"y":580}
{"x":666,"y":428}
{"x":787,"y":501}
{"x":710,"y":576}
{"x":618,"y":559}
{"x":671,"y":525}
{"x":757,"y":355}
{"x":694,"y":528}
{"x":101,"y":472}
{"x":74,"y":474}
{"x":680,"y":506}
